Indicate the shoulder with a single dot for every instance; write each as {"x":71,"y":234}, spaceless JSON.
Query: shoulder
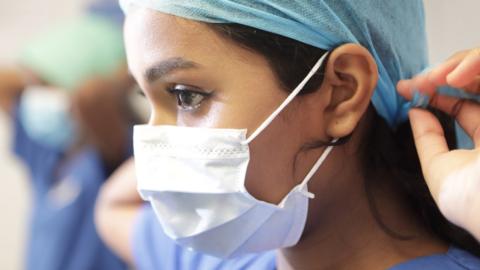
{"x":454,"y":259}
{"x":463,"y":258}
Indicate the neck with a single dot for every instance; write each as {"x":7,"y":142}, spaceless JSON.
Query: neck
{"x":345,"y":234}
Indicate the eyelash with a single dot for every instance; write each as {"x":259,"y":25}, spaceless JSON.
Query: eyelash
{"x":185,"y":93}
{"x":141,"y":93}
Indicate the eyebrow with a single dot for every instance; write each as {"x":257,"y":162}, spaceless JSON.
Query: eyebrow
{"x":168,"y":66}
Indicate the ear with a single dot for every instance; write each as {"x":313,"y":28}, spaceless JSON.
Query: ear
{"x":352,"y":75}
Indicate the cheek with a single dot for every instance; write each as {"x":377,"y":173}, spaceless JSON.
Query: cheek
{"x":270,"y":175}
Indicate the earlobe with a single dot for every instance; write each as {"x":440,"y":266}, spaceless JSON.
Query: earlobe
{"x":352,"y":75}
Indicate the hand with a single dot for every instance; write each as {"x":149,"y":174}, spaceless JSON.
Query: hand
{"x":99,"y":107}
{"x":453,"y":177}
{"x":11,"y":84}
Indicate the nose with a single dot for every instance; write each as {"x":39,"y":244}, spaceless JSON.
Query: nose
{"x":160,"y":116}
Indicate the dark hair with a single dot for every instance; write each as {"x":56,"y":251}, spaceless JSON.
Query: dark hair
{"x":387,"y":155}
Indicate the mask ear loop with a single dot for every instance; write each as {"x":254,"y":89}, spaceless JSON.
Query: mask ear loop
{"x":316,"y":166}
{"x":287,"y":101}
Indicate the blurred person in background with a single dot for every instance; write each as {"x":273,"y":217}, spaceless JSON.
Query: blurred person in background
{"x":70,"y":102}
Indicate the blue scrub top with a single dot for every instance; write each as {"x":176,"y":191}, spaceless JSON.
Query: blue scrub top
{"x":152,"y":249}
{"x":62,"y":231}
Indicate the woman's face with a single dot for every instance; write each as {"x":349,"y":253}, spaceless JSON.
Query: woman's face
{"x":194,"y":78}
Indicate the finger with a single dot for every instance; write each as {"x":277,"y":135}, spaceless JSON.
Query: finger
{"x":476,"y":138}
{"x":466,"y":71}
{"x":429,"y":138}
{"x":438,"y":75}
{"x":404,"y":89}
{"x":407,"y":88}
{"x":474,"y":86}
{"x":467,"y":113}
{"x":425,"y":85}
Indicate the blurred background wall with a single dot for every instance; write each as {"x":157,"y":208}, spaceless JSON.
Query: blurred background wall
{"x":451,"y":26}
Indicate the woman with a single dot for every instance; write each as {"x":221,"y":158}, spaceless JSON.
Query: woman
{"x":223,"y":81}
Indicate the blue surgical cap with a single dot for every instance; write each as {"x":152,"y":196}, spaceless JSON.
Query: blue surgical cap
{"x":107,"y":9}
{"x":392,"y":30}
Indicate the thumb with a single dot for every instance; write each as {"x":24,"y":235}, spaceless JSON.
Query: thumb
{"x":430,"y":143}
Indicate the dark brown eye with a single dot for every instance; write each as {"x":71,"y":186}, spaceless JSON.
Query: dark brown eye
{"x":188,"y":99}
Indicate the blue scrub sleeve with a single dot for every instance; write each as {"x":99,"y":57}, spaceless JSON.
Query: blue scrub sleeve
{"x":454,"y":259}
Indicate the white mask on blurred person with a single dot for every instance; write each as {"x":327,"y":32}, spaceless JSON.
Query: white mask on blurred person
{"x":45,"y":115}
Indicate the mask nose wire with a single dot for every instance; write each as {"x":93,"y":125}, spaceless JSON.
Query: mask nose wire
{"x":287,"y":101}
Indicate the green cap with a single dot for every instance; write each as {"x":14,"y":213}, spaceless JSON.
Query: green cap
{"x":76,"y":51}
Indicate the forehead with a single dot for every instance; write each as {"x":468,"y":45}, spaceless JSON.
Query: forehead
{"x":153,"y":26}
{"x":151,"y":36}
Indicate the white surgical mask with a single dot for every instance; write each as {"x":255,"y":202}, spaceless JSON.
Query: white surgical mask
{"x":45,"y":116}
{"x":194,"y":179}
